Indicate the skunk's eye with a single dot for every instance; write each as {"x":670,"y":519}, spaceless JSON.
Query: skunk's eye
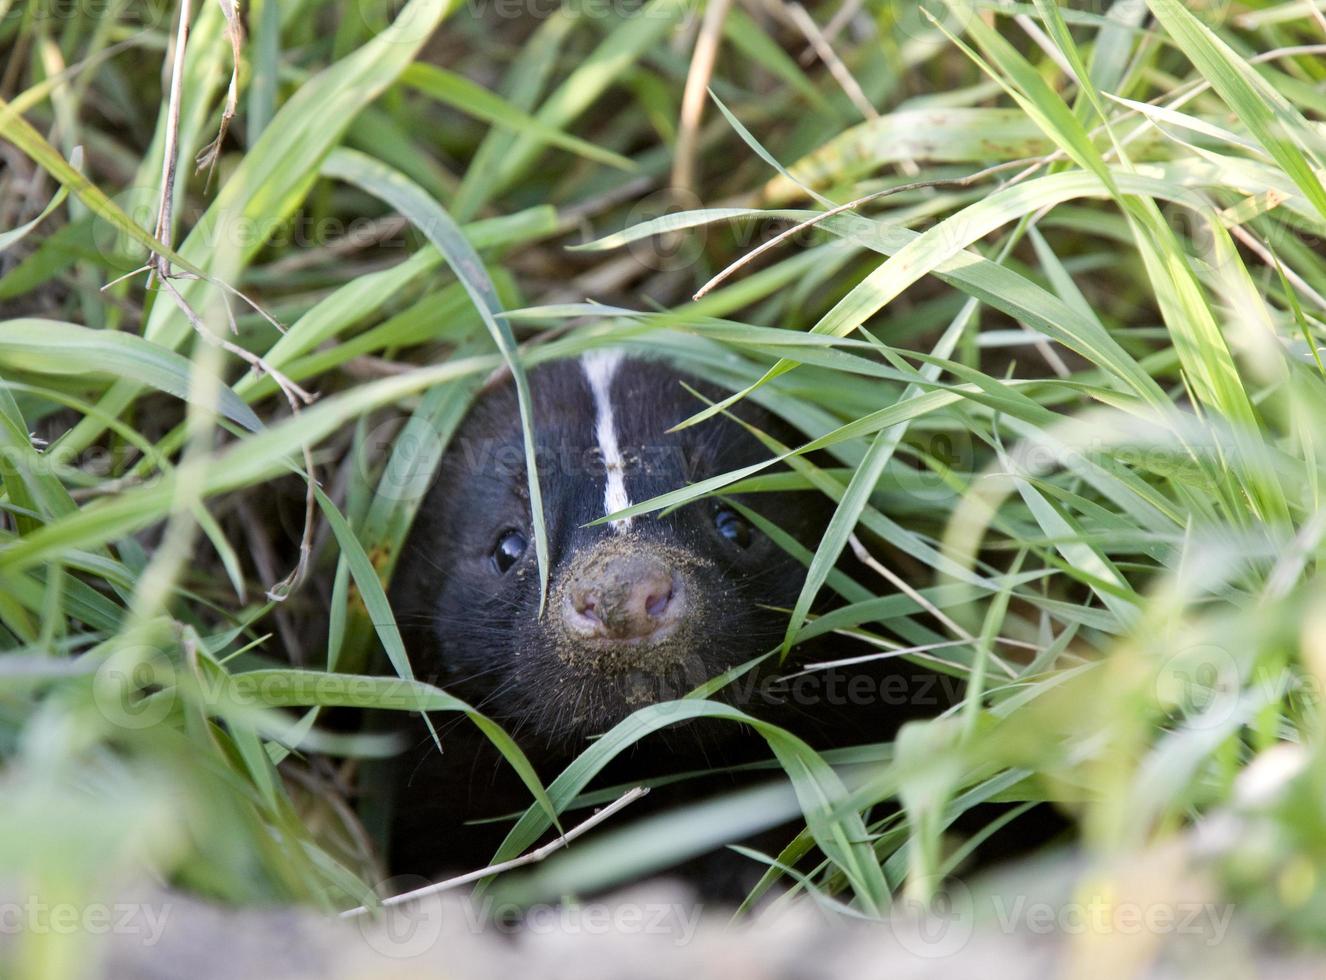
{"x":510,"y":546}
{"x":732,"y":526}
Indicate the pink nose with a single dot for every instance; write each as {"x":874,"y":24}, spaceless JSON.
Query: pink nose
{"x":623,"y":597}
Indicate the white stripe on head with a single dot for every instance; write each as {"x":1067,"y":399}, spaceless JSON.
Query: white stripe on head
{"x":600,"y":366}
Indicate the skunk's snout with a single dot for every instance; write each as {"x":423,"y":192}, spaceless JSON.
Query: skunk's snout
{"x":629,"y":598}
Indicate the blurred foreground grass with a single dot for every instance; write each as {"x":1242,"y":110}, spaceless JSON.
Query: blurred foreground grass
{"x":1063,"y":350}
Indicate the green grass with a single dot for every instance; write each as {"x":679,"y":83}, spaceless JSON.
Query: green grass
{"x":1074,"y":404}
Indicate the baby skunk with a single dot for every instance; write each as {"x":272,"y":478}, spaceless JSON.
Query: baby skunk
{"x":639,"y":610}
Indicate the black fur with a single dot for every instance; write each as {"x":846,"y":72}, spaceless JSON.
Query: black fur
{"x":477,"y":631}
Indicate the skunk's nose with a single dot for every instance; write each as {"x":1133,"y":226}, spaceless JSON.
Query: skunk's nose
{"x":624,"y":597}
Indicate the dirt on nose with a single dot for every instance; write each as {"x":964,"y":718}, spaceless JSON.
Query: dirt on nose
{"x":627,"y":598}
{"x":611,"y":565}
